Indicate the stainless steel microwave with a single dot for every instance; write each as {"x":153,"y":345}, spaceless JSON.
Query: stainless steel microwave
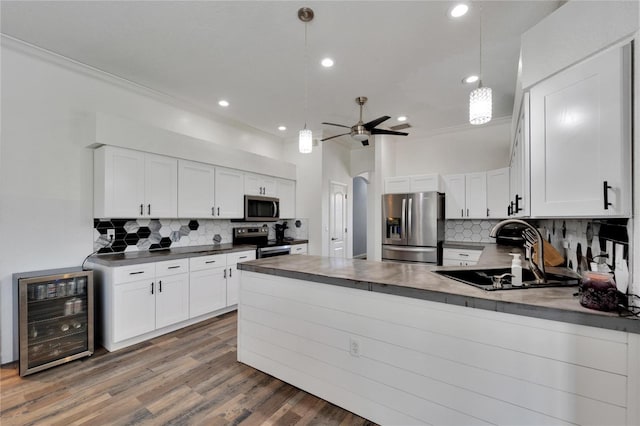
{"x":261,"y":209}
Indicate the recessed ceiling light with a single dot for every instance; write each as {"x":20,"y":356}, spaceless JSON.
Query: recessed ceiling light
{"x":402,"y":118}
{"x":327,"y":62}
{"x":282,"y":128}
{"x":470,"y":79}
{"x":459,"y":10}
{"x":223,"y":103}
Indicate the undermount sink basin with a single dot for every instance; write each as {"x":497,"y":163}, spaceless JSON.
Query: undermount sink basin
{"x":483,"y":278}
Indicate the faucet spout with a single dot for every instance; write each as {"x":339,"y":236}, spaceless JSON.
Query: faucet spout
{"x":536,"y":267}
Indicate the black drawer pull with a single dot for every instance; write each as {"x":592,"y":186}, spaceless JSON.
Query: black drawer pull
{"x":173,"y":267}
{"x":605,"y":189}
{"x":136,"y":273}
{"x":242,"y":257}
{"x":210,"y":261}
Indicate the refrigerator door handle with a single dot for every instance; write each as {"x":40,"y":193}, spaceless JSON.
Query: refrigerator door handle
{"x":404,"y":214}
{"x":410,"y":249}
{"x":409,"y":217}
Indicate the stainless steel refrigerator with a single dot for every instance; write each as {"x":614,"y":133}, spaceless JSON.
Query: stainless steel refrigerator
{"x":413,"y":227}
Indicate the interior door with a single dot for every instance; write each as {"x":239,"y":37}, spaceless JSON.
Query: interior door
{"x":337,"y":219}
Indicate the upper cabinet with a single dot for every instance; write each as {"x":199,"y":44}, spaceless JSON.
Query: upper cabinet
{"x":134,"y":184}
{"x":479,"y":195}
{"x":497,"y":193}
{"x":260,"y":185}
{"x":228,"y":193}
{"x":417,"y":183}
{"x":476,"y":195}
{"x":196,"y":189}
{"x":580,"y":139}
{"x":287,"y":195}
{"x":519,"y":201}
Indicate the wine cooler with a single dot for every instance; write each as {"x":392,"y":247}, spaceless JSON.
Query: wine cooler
{"x":55,"y":312}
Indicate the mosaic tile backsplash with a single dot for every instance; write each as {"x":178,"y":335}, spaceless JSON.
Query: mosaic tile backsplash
{"x":153,"y":234}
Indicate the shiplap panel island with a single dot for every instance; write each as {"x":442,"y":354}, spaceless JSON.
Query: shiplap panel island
{"x":400,"y":344}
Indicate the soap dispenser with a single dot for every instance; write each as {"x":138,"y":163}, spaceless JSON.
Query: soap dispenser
{"x":516,"y":270}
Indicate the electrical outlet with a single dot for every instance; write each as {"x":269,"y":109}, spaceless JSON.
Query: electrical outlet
{"x":354,"y":347}
{"x":111,"y":234}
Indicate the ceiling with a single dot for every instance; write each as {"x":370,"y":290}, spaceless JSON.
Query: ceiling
{"x":407,"y":57}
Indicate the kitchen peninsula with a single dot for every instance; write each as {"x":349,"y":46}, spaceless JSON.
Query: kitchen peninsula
{"x":400,"y":344}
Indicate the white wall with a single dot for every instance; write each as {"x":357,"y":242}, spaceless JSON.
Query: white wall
{"x":46,"y":188}
{"x":384,"y":166}
{"x":466,"y":149}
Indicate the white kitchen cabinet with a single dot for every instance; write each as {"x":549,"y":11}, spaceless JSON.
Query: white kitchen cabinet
{"x":287,"y":195}
{"x":497,"y":193}
{"x":466,"y":195}
{"x":134,"y":309}
{"x":460,"y":257}
{"x":299,"y":249}
{"x":196,"y":190}
{"x":233,"y":277}
{"x":397,"y":185}
{"x":580,"y":139}
{"x":133,"y":184}
{"x":208,"y":284}
{"x":229,"y":199}
{"x":425,"y":183}
{"x":260,"y":185}
{"x":519,"y":177}
{"x":172,"y":292}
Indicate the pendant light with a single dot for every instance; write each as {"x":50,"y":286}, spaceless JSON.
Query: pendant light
{"x":480,"y":104}
{"x":305,"y":137}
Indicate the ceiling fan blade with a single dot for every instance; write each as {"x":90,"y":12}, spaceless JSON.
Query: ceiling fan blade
{"x":331,"y":137}
{"x":339,"y":125}
{"x":387,"y":132}
{"x":365,"y":143}
{"x":373,"y":123}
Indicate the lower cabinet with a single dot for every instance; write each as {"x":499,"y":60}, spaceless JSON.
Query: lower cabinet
{"x":299,"y":249}
{"x":460,"y":257}
{"x":138,"y":302}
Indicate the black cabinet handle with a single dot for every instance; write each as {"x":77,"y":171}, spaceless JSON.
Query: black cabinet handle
{"x":149,"y":209}
{"x":242,"y":257}
{"x":218,"y":211}
{"x":136,"y":273}
{"x":174,"y":267}
{"x":467,"y":212}
{"x":230,"y":273}
{"x":210,"y":261}
{"x":462,"y":212}
{"x":225,"y":273}
{"x":487,"y":212}
{"x":605,"y":190}
{"x":213,"y":211}
{"x":151,"y":288}
{"x":160,"y":285}
{"x":510,"y":209}
{"x":141,"y":209}
{"x":517,"y":207}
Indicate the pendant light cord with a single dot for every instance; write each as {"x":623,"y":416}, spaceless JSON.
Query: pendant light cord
{"x":481,"y":76}
{"x":306,"y":78}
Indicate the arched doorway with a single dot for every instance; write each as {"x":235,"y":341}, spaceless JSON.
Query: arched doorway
{"x":360,"y":187}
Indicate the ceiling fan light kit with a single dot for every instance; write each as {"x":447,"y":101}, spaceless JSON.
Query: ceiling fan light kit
{"x":480,"y":99}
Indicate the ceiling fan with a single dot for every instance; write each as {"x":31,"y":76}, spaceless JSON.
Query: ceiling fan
{"x":361,"y":131}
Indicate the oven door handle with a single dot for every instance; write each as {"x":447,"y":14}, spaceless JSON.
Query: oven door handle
{"x":272,"y":249}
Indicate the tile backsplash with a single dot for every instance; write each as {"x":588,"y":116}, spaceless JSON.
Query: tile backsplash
{"x":152,"y":234}
{"x":471,"y":231}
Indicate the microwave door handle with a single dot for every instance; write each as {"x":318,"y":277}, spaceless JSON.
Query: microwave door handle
{"x":404,"y":210}
{"x":275,"y":209}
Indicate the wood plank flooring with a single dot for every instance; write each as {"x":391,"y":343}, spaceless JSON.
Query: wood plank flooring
{"x":188,"y":377}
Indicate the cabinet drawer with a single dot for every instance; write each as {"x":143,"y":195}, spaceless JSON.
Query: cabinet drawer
{"x":461,"y":254}
{"x":299,"y":249}
{"x":172,"y":267}
{"x":125,"y":274}
{"x":207,"y":262}
{"x":243,"y":256}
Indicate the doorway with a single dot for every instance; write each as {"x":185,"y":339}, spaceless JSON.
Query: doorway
{"x":337,"y":219}
{"x":359,"y":228}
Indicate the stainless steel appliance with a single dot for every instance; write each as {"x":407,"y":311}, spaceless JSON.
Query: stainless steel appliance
{"x":259,"y":235}
{"x":261,"y":209}
{"x":55,"y":317}
{"x":413,"y":227}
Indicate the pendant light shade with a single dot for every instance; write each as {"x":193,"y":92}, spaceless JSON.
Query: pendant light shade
{"x":480,"y":105}
{"x":480,"y":102}
{"x":305,"y":141}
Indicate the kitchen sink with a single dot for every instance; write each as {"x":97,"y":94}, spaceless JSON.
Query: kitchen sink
{"x":484,"y":278}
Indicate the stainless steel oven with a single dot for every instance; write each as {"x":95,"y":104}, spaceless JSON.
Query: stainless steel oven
{"x":259,"y":235}
{"x":274,"y":250}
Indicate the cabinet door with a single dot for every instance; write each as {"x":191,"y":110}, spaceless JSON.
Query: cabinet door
{"x":287,"y":196}
{"x":299,"y":249}
{"x":252,"y":184}
{"x":397,"y":185}
{"x":207,"y":291}
{"x":161,"y":186}
{"x":134,"y":309}
{"x":118,"y":182}
{"x":580,"y":139}
{"x":476,"y":195}
{"x":229,"y":187}
{"x":269,"y":186}
{"x":233,"y":277}
{"x":172,"y":299}
{"x":497,"y":193}
{"x":454,"y":196}
{"x":519,"y":176}
{"x":196,"y":186}
{"x":425,"y":183}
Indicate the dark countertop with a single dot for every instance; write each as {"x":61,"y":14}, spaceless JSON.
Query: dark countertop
{"x":421,"y":282}
{"x":146,"y":256}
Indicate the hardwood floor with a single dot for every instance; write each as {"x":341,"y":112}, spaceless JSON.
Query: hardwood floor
{"x":188,"y":377}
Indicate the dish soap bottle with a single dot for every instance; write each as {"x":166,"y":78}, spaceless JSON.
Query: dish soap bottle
{"x":516,"y":270}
